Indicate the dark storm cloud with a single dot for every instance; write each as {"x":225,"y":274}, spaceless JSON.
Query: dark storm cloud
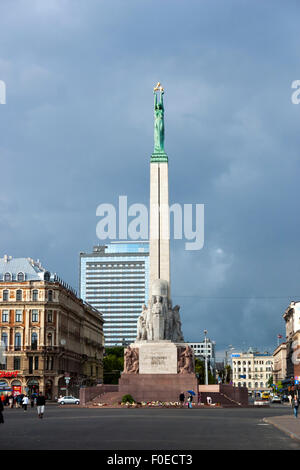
{"x":77,"y":131}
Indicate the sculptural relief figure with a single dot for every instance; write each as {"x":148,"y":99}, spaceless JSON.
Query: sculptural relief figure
{"x":177,"y":335}
{"x":131,"y":360}
{"x":159,"y":321}
{"x":186,"y":361}
{"x":159,"y":127}
{"x":142,"y":325}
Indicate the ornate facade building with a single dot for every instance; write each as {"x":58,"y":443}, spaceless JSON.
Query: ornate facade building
{"x":279,"y":356}
{"x":252,"y":369}
{"x":292,"y":325}
{"x":51,"y":340}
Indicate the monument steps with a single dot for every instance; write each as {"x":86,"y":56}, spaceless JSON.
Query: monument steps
{"x":109,"y":398}
{"x":220,"y":398}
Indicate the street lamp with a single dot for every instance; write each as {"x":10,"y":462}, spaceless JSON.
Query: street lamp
{"x":206,"y":369}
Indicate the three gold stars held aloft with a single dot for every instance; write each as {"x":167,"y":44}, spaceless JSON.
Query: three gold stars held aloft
{"x":158,"y":87}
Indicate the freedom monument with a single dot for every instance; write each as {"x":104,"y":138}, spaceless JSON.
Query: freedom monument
{"x":159,"y":365}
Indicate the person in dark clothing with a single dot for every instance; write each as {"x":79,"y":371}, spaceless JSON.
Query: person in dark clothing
{"x":1,"y":409}
{"x":40,"y":405}
{"x":190,"y":400}
{"x":181,"y":398}
{"x":32,"y":400}
{"x":295,"y":405}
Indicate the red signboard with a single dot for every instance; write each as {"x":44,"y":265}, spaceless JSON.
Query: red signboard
{"x":17,"y":390}
{"x":6,"y":374}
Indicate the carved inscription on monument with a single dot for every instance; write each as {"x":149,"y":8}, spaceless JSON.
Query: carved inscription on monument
{"x":158,"y":358}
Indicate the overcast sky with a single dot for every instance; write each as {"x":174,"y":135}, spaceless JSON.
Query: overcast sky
{"x":77,"y":131}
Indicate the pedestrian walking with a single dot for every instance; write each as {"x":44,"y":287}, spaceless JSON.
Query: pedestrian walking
{"x":295,"y":405}
{"x":18,"y":401}
{"x":1,"y":410}
{"x":25,"y":402}
{"x":40,"y":404}
{"x":181,"y":399}
{"x":32,"y":400}
{"x":11,"y":401}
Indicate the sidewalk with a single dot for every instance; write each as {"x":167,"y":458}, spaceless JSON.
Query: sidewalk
{"x":287,"y":423}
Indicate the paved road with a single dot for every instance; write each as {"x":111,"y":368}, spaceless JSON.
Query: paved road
{"x":148,"y":429}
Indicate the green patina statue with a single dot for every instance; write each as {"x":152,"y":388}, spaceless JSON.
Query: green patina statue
{"x":159,"y":127}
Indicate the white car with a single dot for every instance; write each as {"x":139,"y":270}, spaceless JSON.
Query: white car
{"x":276,"y":399}
{"x":69,"y":400}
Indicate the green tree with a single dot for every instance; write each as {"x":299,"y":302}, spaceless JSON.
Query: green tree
{"x":113,"y":364}
{"x":200,"y":372}
{"x":227,"y":375}
{"x":270,"y":381}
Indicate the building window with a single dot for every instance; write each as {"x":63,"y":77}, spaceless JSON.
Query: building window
{"x":20,"y":277}
{"x":19,"y":294}
{"x":5,"y":316}
{"x":3,"y":363}
{"x":4,"y":341}
{"x":5,"y":295}
{"x":30,"y":364}
{"x":19,"y":316}
{"x":36,"y":362}
{"x":49,"y":339}
{"x":49,"y":316}
{"x":35,"y":295}
{"x":7,"y":277}
{"x":50,"y":296}
{"x":49,"y":363}
{"x":34,"y":340}
{"x":17,"y":363}
{"x":17,"y":341}
{"x":35,"y":316}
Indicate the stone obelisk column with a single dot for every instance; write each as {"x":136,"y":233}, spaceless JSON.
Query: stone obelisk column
{"x":159,"y":365}
{"x":159,"y":199}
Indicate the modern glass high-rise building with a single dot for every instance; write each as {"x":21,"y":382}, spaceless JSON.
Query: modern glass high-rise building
{"x":114,"y":279}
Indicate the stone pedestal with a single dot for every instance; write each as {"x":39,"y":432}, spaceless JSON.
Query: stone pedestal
{"x":158,"y":371}
{"x":157,"y":387}
{"x":157,"y":357}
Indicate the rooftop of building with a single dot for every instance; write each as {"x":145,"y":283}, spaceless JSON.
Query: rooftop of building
{"x":139,"y":246}
{"x":27,"y":269}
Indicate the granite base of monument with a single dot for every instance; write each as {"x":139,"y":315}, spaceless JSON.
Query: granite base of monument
{"x":157,"y":387}
{"x":158,"y":371}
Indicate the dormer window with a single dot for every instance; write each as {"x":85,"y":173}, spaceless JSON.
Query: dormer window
{"x":7,"y":277}
{"x":21,"y":277}
{"x":47,"y":276}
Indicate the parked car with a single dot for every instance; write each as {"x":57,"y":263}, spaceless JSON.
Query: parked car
{"x":69,"y":400}
{"x":276,"y":399}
